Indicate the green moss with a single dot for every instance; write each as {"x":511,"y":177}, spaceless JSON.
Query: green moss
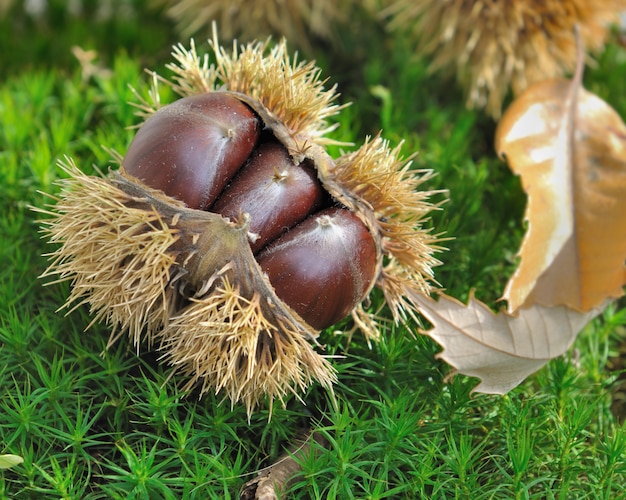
{"x":114,"y":425}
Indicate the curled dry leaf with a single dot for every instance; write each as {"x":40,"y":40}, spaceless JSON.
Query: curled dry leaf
{"x":569,"y":147}
{"x":501,"y":349}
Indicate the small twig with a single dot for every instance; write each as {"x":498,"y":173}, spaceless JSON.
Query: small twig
{"x":272,"y":482}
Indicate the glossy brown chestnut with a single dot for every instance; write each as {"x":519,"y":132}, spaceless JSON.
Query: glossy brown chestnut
{"x":323,"y":267}
{"x":276,"y":193}
{"x":210,"y":152}
{"x":191,"y":148}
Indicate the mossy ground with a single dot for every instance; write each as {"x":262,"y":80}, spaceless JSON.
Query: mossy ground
{"x":113,"y":425}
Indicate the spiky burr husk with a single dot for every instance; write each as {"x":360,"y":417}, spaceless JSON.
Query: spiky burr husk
{"x":186,"y":280}
{"x":494,"y":45}
{"x":183,"y":280}
{"x":246,"y":20}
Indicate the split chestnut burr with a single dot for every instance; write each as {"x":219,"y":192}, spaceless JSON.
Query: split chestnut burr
{"x":229,"y":237}
{"x":206,"y":151}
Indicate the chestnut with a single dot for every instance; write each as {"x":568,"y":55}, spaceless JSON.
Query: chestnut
{"x":323,"y":267}
{"x":274,"y":191}
{"x":191,"y":148}
{"x":229,"y":236}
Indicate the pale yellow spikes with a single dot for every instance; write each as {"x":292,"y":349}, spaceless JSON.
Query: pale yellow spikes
{"x":292,"y":91}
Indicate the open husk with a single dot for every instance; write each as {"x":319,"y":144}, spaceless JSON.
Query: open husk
{"x":186,"y":282}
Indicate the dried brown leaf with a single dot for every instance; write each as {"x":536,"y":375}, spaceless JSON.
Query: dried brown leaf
{"x":569,"y":147}
{"x":501,"y":349}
